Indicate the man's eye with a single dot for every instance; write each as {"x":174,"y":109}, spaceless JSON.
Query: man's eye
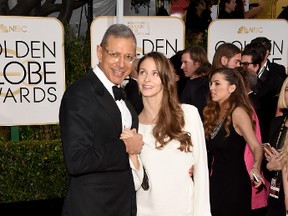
{"x":114,"y":54}
{"x":129,"y":58}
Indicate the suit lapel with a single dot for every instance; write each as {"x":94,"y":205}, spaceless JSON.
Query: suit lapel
{"x":264,"y":75}
{"x":106,"y":100}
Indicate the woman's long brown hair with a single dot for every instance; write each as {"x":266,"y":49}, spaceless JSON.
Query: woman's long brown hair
{"x":238,"y":98}
{"x":170,"y":122}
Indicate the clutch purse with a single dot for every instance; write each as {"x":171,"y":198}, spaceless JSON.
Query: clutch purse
{"x":145,"y":182}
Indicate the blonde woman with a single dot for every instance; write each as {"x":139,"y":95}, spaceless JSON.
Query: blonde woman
{"x":277,"y":158}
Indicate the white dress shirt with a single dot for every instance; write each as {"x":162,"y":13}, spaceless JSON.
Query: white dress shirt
{"x":125,"y":113}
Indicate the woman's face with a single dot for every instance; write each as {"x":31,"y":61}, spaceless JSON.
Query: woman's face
{"x":220,"y":89}
{"x":286,"y":94}
{"x":149,"y":82}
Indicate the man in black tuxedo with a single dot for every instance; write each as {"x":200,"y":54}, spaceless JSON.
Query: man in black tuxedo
{"x":270,"y":79}
{"x":91,"y":121}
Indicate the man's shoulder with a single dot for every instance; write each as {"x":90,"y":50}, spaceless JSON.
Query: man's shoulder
{"x":276,"y":68}
{"x":85,"y":82}
{"x":275,"y":65}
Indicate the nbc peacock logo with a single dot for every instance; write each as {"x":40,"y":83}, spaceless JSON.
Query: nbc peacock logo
{"x":250,"y":30}
{"x":12,"y":28}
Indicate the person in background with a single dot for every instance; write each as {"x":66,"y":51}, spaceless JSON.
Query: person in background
{"x":285,"y":176}
{"x":259,"y":195}
{"x":226,"y":55}
{"x":271,"y":77}
{"x":198,"y":17}
{"x":181,"y":79}
{"x":92,"y":116}
{"x":228,"y":127}
{"x":277,"y":158}
{"x":132,"y":91}
{"x":251,"y":59}
{"x":197,"y":89}
{"x":226,"y":9}
{"x":173,"y":143}
{"x":273,"y":69}
{"x":240,"y":12}
{"x":195,"y":66}
{"x":268,"y":66}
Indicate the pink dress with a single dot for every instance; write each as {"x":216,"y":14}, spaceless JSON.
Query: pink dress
{"x":259,"y":196}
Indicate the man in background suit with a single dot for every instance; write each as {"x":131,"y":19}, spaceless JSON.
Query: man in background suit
{"x":91,"y":121}
{"x":270,"y":79}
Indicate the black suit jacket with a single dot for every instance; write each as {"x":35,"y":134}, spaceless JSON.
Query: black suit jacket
{"x":267,"y":91}
{"x":196,"y":93}
{"x":133,"y":95}
{"x":101,"y":182}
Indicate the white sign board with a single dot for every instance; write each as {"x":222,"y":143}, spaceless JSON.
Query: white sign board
{"x":32,"y":70}
{"x":162,"y":34}
{"x":241,"y":31}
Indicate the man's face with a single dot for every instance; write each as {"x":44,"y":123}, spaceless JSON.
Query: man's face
{"x":230,"y":6}
{"x":188,"y":65}
{"x":114,"y":58}
{"x":234,"y":61}
{"x":246,"y":61}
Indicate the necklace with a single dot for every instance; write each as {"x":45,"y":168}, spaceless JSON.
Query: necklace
{"x":216,"y":128}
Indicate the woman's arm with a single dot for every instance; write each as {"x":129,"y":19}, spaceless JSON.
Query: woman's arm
{"x":243,"y":126}
{"x":200,"y":166}
{"x":134,"y":160}
{"x":252,"y":13}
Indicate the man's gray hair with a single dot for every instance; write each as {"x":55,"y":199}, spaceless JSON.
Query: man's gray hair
{"x":118,"y":30}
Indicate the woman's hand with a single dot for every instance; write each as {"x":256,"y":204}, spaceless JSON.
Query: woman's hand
{"x":274,"y":159}
{"x":256,"y":177}
{"x":127,"y":133}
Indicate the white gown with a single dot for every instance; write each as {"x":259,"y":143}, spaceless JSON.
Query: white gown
{"x":172,"y":192}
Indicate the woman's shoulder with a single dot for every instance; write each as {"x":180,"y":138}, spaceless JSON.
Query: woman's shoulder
{"x":188,"y":107}
{"x":189,"y":110}
{"x":239,"y":113}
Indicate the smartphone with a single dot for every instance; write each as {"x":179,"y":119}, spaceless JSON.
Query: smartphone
{"x":255,"y":178}
{"x":267,"y":147}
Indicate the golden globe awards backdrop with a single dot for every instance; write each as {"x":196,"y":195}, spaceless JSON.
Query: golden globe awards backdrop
{"x":240,"y":32}
{"x":32,"y":70}
{"x":162,"y":34}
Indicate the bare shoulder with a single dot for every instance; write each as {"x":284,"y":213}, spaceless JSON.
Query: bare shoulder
{"x":239,"y":111}
{"x":239,"y":114}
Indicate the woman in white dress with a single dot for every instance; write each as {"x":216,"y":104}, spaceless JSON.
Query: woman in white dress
{"x":173,"y":143}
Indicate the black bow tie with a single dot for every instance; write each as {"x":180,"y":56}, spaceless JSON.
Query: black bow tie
{"x":119,"y":93}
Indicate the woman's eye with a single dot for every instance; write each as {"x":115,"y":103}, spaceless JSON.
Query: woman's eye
{"x":142,"y":72}
{"x":155,"y":73}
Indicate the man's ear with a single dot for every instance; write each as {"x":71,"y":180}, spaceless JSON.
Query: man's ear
{"x":99,"y":53}
{"x":224,"y":60}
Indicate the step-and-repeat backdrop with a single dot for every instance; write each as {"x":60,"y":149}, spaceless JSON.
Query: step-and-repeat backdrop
{"x":32,"y":70}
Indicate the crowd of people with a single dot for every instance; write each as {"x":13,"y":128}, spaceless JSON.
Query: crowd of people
{"x":200,"y":13}
{"x":170,"y":147}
